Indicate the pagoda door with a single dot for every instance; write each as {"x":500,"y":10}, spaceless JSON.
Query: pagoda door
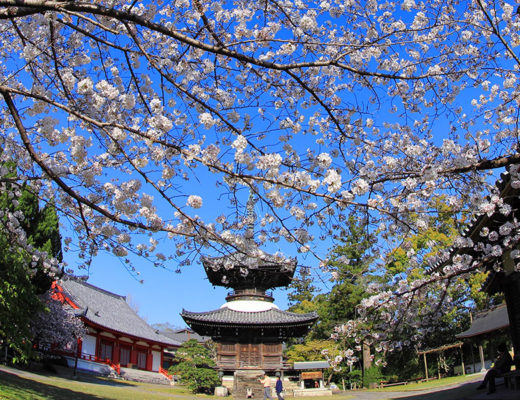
{"x":250,"y":356}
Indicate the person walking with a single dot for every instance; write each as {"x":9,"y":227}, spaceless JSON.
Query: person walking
{"x":267,"y":387}
{"x":279,"y":389}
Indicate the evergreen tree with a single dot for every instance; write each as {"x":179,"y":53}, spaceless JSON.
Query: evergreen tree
{"x":349,"y":265}
{"x":301,"y":288}
{"x":195,"y":367}
{"x":23,"y":278}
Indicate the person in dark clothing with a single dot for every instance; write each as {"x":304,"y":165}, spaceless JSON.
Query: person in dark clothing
{"x":279,"y":388}
{"x":501,"y":365}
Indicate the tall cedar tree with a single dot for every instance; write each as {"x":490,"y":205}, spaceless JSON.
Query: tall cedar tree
{"x":349,"y":265}
{"x":19,"y":289}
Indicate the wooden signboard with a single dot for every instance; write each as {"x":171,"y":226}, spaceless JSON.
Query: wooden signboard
{"x":312,"y":375}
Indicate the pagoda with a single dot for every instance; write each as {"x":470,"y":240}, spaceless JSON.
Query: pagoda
{"x":249,"y":328}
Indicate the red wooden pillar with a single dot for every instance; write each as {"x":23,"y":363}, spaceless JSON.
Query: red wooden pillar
{"x":133,"y":355}
{"x":98,"y":346}
{"x":116,"y":352}
{"x":79,"y":348}
{"x":162,"y":358}
{"x":149,"y":359}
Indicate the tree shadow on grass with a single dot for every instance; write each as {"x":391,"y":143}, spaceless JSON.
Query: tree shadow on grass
{"x":81,"y":376}
{"x":462,"y":392}
{"x":14,"y":387}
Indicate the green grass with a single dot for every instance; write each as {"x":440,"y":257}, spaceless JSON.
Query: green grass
{"x":21,"y":385}
{"x":18,"y":385}
{"x":452,"y":380}
{"x":452,"y":388}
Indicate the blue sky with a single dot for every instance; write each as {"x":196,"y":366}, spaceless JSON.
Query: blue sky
{"x":163,"y":293}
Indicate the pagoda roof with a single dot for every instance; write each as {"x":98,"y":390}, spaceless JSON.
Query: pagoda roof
{"x":272,"y":318}
{"x":239,"y":270}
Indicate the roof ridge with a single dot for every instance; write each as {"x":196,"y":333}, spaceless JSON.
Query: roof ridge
{"x":480,"y":313}
{"x":85,"y":283}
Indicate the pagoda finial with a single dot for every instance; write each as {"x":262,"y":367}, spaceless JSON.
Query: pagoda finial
{"x":251,"y":216}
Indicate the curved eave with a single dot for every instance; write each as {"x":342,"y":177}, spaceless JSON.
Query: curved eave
{"x":194,"y":322}
{"x":239,"y":273}
{"x":242,"y":319}
{"x":472,"y":231}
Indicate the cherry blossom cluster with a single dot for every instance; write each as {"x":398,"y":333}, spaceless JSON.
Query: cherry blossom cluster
{"x":56,"y":327}
{"x":137,"y":119}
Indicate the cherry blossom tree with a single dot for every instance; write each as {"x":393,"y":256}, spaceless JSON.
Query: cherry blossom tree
{"x":55,"y":327}
{"x":113,"y":109}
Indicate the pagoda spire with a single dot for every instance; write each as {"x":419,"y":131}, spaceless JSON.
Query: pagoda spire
{"x":250,"y":217}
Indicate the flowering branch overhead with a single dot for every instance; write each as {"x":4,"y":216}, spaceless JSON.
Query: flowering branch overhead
{"x":321,"y":109}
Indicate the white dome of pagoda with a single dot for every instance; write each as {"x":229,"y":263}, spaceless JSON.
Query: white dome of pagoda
{"x":249,"y":305}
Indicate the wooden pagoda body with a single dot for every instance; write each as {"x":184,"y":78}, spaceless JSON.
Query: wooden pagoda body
{"x":249,"y":329}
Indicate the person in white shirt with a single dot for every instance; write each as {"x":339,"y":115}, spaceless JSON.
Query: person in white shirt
{"x":267,"y":387}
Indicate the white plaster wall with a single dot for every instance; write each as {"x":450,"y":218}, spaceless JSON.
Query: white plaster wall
{"x":156,"y":361}
{"x":89,"y":345}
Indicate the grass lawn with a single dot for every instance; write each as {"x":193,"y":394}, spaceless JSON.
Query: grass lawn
{"x":452,"y":380}
{"x":22,"y":385}
{"x":452,"y":388}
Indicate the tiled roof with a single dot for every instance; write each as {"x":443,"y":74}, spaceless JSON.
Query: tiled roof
{"x":271,"y":318}
{"x":240,"y":270}
{"x":509,"y":195}
{"x":110,"y":311}
{"x":487,"y":321}
{"x":311,"y":365}
{"x":183,"y":335}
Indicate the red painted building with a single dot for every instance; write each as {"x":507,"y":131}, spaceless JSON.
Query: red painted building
{"x":117,"y":336}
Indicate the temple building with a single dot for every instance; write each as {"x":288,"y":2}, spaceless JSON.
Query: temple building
{"x":498,"y":226}
{"x":249,"y":328}
{"x":117,"y":338}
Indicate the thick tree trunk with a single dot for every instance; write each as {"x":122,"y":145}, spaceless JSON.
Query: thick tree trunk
{"x":367,"y":360}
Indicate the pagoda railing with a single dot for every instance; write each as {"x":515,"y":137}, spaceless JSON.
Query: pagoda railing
{"x":232,"y":364}
{"x":252,"y":293}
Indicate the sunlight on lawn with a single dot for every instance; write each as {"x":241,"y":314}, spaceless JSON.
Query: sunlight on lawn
{"x":20,"y":385}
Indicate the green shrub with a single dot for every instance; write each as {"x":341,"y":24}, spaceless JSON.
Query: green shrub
{"x":372,"y":375}
{"x":194,"y":366}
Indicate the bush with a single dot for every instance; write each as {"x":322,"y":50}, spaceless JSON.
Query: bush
{"x":194,"y":366}
{"x":197,"y":379}
{"x":372,"y":375}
